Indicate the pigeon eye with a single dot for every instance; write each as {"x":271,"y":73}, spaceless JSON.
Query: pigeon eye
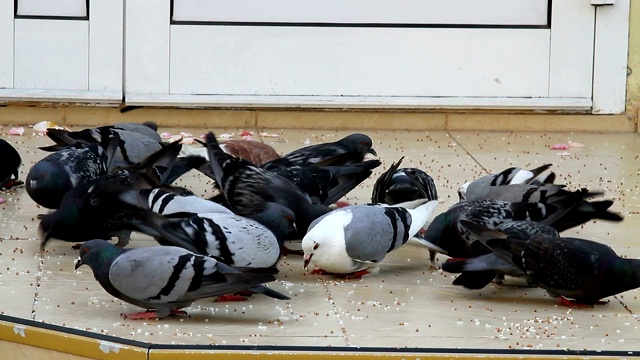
{"x":315,"y":246}
{"x":289,"y":218}
{"x":85,"y":251}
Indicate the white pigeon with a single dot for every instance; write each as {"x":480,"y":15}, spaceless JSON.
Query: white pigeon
{"x":351,"y":240}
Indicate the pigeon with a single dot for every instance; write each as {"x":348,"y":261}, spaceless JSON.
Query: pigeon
{"x":9,"y":174}
{"x":478,"y":189}
{"x":165,"y":279}
{"x":549,"y":193}
{"x":255,"y":152}
{"x":358,"y":145}
{"x":166,"y":202}
{"x":353,"y":239}
{"x":575,"y":271}
{"x":249,"y":189}
{"x":132,"y":148}
{"x":147,"y":128}
{"x":328,"y":184}
{"x":396,"y":186}
{"x":230,"y":238}
{"x":477,"y":272}
{"x":52,"y":177}
{"x":91,"y":209}
{"x":445,"y":234}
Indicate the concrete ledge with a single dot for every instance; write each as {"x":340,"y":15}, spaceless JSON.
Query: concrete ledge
{"x":318,"y":119}
{"x":28,"y":339}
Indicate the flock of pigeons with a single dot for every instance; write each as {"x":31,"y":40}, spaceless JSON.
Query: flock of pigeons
{"x":109,"y":181}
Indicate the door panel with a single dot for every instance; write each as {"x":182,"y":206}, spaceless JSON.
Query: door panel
{"x":342,"y":61}
{"x":51,"y":54}
{"x":467,"y":12}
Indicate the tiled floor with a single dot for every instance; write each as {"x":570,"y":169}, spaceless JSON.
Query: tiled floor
{"x":410,"y":303}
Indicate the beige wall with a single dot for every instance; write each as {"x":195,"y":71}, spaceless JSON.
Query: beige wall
{"x":633,"y":81}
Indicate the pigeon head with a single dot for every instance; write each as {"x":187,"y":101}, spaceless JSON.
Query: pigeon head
{"x":279,"y":219}
{"x":98,"y":255}
{"x":462,"y":191}
{"x":359,"y":143}
{"x":56,"y":224}
{"x":46,"y":184}
{"x":438,"y":228}
{"x":309,"y":249}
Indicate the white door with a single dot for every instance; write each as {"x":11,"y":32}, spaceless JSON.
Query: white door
{"x":525,"y":54}
{"x":63,"y":50}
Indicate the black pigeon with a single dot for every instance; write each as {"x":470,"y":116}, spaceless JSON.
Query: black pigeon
{"x":477,"y":272}
{"x":249,"y":189}
{"x":328,"y":184}
{"x":165,"y":279}
{"x":53,"y":176}
{"x":355,"y":145}
{"x":11,"y":164}
{"x":91,"y":209}
{"x":396,"y":186}
{"x":577,"y":272}
{"x":132,"y":147}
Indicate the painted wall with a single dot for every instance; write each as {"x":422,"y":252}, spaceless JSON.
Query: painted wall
{"x":633,"y":80}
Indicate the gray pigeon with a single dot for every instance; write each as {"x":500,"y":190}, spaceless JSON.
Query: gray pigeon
{"x":165,"y":279}
{"x":478,"y":189}
{"x":352,"y":239}
{"x":230,"y":238}
{"x":165,"y":202}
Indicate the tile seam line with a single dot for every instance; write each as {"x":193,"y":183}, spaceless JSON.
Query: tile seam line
{"x":467,"y":151}
{"x":36,"y":291}
{"x":336,"y":313}
{"x":626,"y":307}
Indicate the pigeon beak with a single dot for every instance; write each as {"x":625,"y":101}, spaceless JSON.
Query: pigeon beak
{"x":78,"y":263}
{"x":373,"y":152}
{"x":307,"y":259}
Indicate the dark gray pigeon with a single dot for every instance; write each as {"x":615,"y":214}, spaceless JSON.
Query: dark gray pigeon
{"x":56,"y":174}
{"x":132,"y":148}
{"x":249,"y":189}
{"x":165,"y":279}
{"x":352,"y":240}
{"x":550,"y":193}
{"x":355,"y":145}
{"x":9,"y":175}
{"x":446,"y":233}
{"x":90,"y":210}
{"x":147,"y":128}
{"x":396,"y":186}
{"x":477,"y":272}
{"x":478,"y":189}
{"x":230,"y":238}
{"x":577,"y":272}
